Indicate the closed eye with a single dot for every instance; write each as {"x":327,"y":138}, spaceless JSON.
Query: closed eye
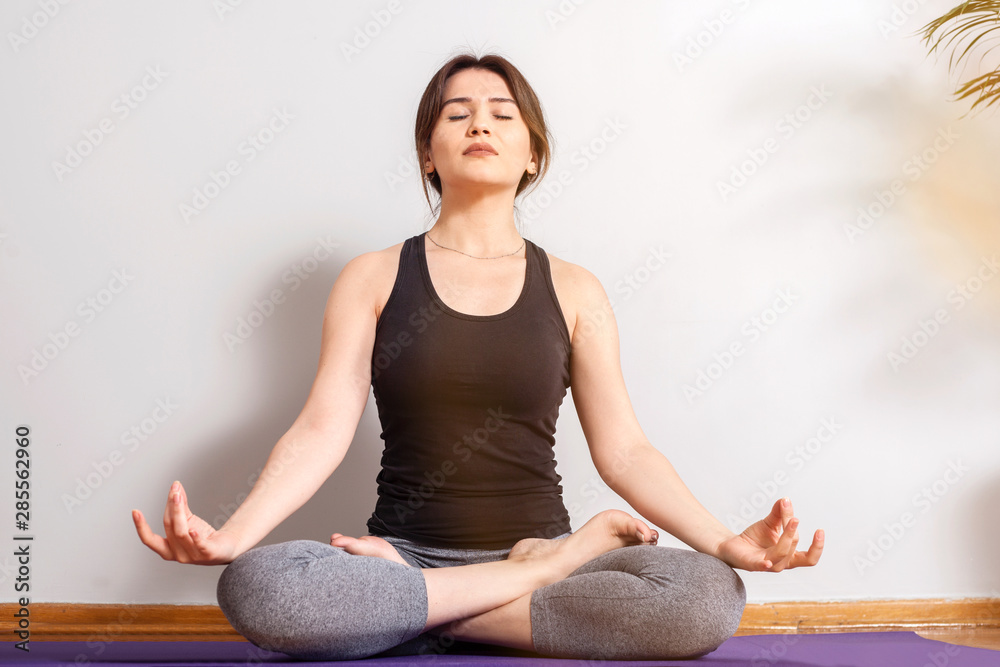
{"x":497,"y":115}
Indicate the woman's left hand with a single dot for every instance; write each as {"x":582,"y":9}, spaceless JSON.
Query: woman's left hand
{"x":769,"y":544}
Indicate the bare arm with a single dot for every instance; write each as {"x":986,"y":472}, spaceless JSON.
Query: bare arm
{"x":640,"y":473}
{"x":308,"y":453}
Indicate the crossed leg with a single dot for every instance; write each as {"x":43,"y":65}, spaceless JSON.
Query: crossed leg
{"x":638,"y":603}
{"x":468,"y":590}
{"x":630,"y":603}
{"x":314,"y":601}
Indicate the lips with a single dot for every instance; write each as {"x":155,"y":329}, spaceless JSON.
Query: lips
{"x":480,"y":148}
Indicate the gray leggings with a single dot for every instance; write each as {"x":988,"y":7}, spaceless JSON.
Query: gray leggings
{"x":317,"y":602}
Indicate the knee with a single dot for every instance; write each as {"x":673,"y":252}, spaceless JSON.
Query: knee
{"x":640,"y":603}
{"x":242,"y":587}
{"x":709,"y":611}
{"x":314,"y":602}
{"x":255,"y":591}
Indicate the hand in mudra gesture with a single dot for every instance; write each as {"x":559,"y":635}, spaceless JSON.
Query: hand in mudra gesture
{"x":769,"y":544}
{"x":189,"y":538}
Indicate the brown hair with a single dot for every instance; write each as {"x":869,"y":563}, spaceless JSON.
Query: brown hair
{"x":527,"y":102}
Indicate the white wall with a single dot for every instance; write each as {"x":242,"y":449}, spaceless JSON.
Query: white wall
{"x":681,"y":130}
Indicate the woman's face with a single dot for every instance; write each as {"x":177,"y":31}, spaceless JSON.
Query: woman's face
{"x":478,"y":108}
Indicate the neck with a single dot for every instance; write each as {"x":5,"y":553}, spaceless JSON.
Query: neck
{"x":481,"y":225}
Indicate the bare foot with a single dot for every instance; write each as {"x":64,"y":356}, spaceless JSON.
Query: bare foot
{"x":367,"y":545}
{"x":608,"y":530}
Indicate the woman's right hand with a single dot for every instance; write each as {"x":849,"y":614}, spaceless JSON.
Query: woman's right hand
{"x":189,"y":539}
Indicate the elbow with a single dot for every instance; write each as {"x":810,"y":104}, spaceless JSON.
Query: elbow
{"x":621,"y":463}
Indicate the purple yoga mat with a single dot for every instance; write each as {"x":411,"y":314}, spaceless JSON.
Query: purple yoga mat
{"x":856,"y":649}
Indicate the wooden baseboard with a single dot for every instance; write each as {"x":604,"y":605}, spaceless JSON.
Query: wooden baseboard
{"x":120,"y":622}
{"x":869,"y":615}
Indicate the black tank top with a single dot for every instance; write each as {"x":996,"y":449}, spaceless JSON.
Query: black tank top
{"x":468,"y":407}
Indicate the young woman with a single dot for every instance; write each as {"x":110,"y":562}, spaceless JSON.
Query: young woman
{"x":470,"y":335}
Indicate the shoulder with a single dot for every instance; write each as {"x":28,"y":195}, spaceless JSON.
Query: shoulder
{"x":580,"y":292}
{"x":374,"y":262}
{"x":577,"y":281}
{"x":372,"y":274}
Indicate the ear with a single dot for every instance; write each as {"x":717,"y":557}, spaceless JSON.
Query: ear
{"x":426,"y":162}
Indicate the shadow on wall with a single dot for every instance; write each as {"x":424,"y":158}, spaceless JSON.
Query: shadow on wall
{"x":928,"y":200}
{"x":979,"y":531}
{"x":220,"y":478}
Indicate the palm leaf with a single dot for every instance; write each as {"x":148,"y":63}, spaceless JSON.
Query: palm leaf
{"x":970,"y":23}
{"x":987,"y":87}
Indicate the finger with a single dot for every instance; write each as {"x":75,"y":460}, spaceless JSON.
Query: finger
{"x":785,"y":547}
{"x":762,"y":565}
{"x":180,"y":532}
{"x":643,"y":532}
{"x":786,"y":511}
{"x":197,"y":541}
{"x":167,"y":516}
{"x":200,"y":542}
{"x":811,"y":557}
{"x":775,"y":521}
{"x":149,"y":538}
{"x":786,"y":562}
{"x":171,"y":525}
{"x":181,"y":492}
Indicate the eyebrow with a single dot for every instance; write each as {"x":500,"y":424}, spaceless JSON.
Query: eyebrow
{"x":466,"y":100}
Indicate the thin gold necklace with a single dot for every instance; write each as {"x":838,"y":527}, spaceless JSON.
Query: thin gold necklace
{"x":473,"y":256}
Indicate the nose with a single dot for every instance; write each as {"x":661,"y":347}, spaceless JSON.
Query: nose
{"x":480,"y":125}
